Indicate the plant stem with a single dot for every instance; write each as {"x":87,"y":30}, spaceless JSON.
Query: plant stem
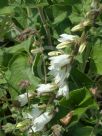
{"x":43,"y":19}
{"x":45,"y":72}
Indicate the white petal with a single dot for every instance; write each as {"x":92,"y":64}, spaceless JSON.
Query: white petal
{"x":60,"y":61}
{"x":60,"y":77}
{"x":61,"y":74}
{"x":66,"y":37}
{"x":40,"y":122}
{"x":23,"y":99}
{"x":45,"y":88}
{"x":33,"y":114}
{"x":63,"y":90}
{"x":52,"y":67}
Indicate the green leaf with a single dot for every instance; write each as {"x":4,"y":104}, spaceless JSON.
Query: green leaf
{"x":23,"y":46}
{"x":20,"y":70}
{"x":78,"y":98}
{"x":2,"y":92}
{"x":71,"y":2}
{"x":79,"y":101}
{"x":31,"y":4}
{"x":7,"y":10}
{"x":58,"y":12}
{"x":97,"y":58}
{"x":79,"y":79}
{"x":80,"y":130}
{"x":4,"y":57}
{"x":60,"y":18}
{"x":7,"y":53}
{"x":3,"y":3}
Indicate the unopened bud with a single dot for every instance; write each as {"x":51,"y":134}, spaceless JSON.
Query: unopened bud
{"x":82,"y":47}
{"x":55,"y":53}
{"x":24,"y":125}
{"x":81,"y":26}
{"x":38,"y":50}
{"x":63,"y":44}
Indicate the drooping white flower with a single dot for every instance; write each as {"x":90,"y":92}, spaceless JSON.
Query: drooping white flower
{"x":60,"y":67}
{"x":40,"y":122}
{"x":61,"y":74}
{"x":45,"y":88}
{"x":39,"y":119}
{"x":28,"y":118}
{"x":23,"y":98}
{"x":63,"y":90}
{"x":66,"y":37}
{"x":57,"y":62}
{"x":65,"y":40}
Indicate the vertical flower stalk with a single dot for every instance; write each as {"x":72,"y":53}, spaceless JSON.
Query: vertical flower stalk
{"x":60,"y":64}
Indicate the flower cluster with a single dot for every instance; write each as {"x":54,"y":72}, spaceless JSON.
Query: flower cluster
{"x":60,"y":66}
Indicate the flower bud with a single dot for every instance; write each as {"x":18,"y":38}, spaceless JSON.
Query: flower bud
{"x":37,"y":50}
{"x":24,"y":125}
{"x":63,"y":44}
{"x":81,"y":26}
{"x":54,"y":53}
{"x":82,"y":47}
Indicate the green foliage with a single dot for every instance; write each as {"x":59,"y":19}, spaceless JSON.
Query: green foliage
{"x":3,"y":3}
{"x":20,"y":62}
{"x":29,"y":29}
{"x":79,"y":102}
{"x":97,"y":57}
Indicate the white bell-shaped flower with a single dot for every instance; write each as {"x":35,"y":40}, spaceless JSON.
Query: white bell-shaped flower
{"x":63,"y":90}
{"x":45,"y":88}
{"x":65,"y":40}
{"x":66,"y":37}
{"x":23,"y":98}
{"x":59,"y":61}
{"x":60,"y":74}
{"x":40,"y":122}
